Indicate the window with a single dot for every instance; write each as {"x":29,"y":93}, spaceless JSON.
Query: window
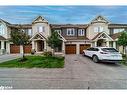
{"x":2,"y":32}
{"x":118,"y":30}
{"x":81,"y":32}
{"x":41,"y":29}
{"x":98,"y":29}
{"x":93,"y":49}
{"x":30,"y":32}
{"x":109,"y":50}
{"x":70,"y":31}
{"x":58,"y":31}
{"x":90,"y":49}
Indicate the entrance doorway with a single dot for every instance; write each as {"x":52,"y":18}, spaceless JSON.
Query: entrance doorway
{"x":40,"y":45}
{"x":101,"y":43}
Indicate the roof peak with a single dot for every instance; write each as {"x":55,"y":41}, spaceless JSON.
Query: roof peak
{"x":39,"y":19}
{"x":99,"y":18}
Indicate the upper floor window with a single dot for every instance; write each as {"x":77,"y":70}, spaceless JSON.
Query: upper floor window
{"x":81,"y":32}
{"x":58,"y":31}
{"x":98,"y":29}
{"x":2,"y":32}
{"x":70,"y":31}
{"x":41,"y":29}
{"x":118,"y":30}
{"x":30,"y":32}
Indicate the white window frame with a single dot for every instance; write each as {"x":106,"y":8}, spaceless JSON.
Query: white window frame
{"x":41,"y":29}
{"x":81,"y":32}
{"x":117,"y":30}
{"x":98,"y":29}
{"x":70,"y":31}
{"x":2,"y":32}
{"x":30,"y":32}
{"x":95,"y":29}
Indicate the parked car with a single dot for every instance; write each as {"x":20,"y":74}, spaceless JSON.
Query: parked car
{"x":106,"y":54}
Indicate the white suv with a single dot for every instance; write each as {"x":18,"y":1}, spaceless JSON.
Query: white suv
{"x":107,"y":54}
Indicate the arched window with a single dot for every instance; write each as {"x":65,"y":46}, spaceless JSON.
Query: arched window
{"x":2,"y":32}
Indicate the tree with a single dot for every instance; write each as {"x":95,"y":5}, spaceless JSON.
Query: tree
{"x":122,"y":41}
{"x":19,"y":37}
{"x":54,"y":40}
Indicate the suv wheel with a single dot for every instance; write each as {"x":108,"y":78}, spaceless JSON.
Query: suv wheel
{"x":95,"y":59}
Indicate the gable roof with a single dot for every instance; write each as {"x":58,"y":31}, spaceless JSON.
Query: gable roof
{"x":99,"y":34}
{"x":61,"y":37}
{"x":96,"y":36}
{"x":99,"y":18}
{"x":116,"y":35}
{"x":2,"y":38}
{"x":37,"y":33}
{"x":39,"y":19}
{"x":7,"y":23}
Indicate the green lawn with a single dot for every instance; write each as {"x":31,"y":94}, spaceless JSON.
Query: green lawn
{"x":124,"y":61}
{"x":35,"y":61}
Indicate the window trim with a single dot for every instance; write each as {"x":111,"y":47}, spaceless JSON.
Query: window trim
{"x":81,"y":32}
{"x":98,"y":29}
{"x":42,"y":28}
{"x":30,"y":30}
{"x":72,"y":33}
{"x":2,"y":30}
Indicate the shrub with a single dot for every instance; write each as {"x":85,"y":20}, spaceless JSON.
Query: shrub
{"x":47,"y":53}
{"x":123,"y":55}
{"x":33,"y":51}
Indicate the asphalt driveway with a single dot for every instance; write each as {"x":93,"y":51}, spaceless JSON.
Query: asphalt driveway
{"x":79,"y":73}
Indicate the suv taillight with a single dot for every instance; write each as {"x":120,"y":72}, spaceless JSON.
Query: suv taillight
{"x":103,"y":52}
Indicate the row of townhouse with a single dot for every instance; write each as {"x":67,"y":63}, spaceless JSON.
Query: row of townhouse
{"x":75,"y":37}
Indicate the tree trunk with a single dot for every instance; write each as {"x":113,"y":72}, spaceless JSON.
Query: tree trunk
{"x":123,"y":50}
{"x":126,"y":53}
{"x":23,"y":52}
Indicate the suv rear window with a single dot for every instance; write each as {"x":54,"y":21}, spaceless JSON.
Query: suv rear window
{"x":109,"y":50}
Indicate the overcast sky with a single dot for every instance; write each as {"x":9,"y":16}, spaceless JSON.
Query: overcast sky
{"x":63,"y":14}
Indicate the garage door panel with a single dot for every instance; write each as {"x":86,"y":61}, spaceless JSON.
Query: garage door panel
{"x":14,"y":48}
{"x":70,"y":49}
{"x":84,"y":47}
{"x":27,"y":48}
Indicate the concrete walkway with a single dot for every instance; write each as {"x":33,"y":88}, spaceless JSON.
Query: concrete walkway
{"x":8,"y":57}
{"x":79,"y":73}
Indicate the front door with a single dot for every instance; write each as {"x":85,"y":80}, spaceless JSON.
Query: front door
{"x":40,"y":45}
